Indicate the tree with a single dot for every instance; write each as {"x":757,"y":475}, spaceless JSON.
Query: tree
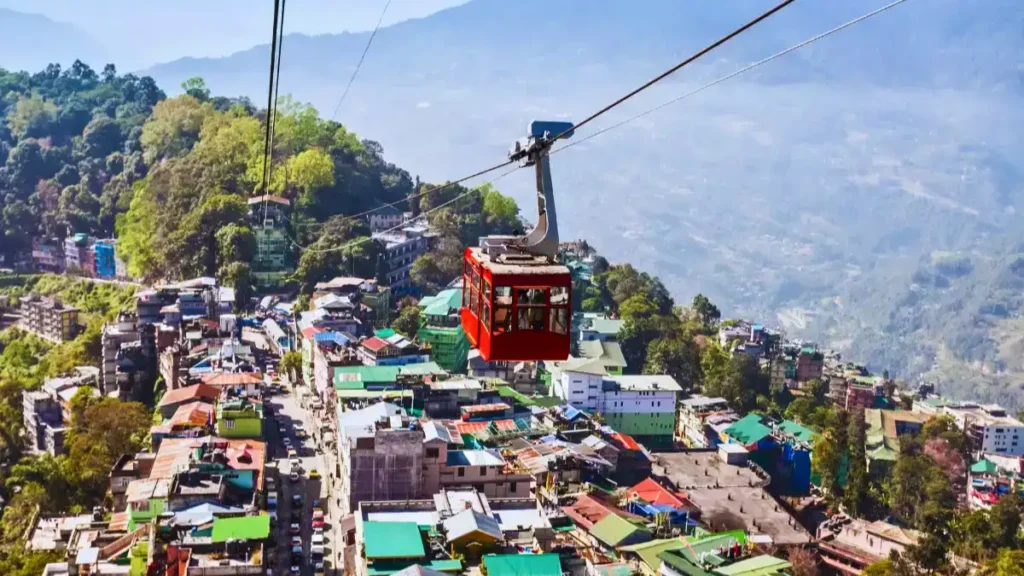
{"x":32,"y":116}
{"x":174,"y":127}
{"x":109,"y":429}
{"x":291,"y":364}
{"x":238,"y":275}
{"x":1006,"y":563}
{"x":678,"y":357}
{"x":708,"y":312}
{"x":235,"y":243}
{"x":102,"y":137}
{"x":408,"y":321}
{"x":856,"y":491}
{"x":196,"y":88}
{"x":804,"y":562}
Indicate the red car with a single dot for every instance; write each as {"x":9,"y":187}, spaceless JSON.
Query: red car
{"x":318,"y":523}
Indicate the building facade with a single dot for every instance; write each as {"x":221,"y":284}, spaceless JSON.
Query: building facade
{"x":989,"y":428}
{"x":441,"y":330}
{"x":49,"y":318}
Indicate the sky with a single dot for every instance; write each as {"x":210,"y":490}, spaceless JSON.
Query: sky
{"x":145,"y":32}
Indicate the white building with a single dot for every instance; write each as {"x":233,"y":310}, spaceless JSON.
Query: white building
{"x":694,"y":413}
{"x":402,"y":248}
{"x":989,"y":428}
{"x":643,"y":406}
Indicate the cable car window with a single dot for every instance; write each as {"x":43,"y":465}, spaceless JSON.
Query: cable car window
{"x":503,"y":295}
{"x":502,"y":319}
{"x":559,"y":320}
{"x":487,"y":290}
{"x":465,"y":292}
{"x":531,"y":319}
{"x":474,"y":278}
{"x":559,"y":295}
{"x":486,"y":315}
{"x":531,"y":296}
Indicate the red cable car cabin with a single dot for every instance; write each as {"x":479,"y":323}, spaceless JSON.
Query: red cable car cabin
{"x":516,"y":309}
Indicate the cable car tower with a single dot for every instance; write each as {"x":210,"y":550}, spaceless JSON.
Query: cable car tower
{"x":515,"y":296}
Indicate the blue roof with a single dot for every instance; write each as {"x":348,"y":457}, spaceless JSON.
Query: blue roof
{"x":570,"y":412}
{"x":336,"y":337}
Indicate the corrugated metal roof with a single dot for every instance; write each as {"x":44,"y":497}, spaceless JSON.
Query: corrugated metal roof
{"x":475,"y":458}
{"x":384,"y":540}
{"x":520,"y":564}
{"x":748,"y":430}
{"x":469,"y":521}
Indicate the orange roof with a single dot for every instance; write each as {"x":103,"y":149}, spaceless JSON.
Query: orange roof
{"x":192,"y":414}
{"x":471,"y":427}
{"x":625,"y":441}
{"x":190,"y":393}
{"x":119,"y":521}
{"x":231,"y":379}
{"x":588,"y":511}
{"x":172,"y":455}
{"x":375,"y":344}
{"x":654,"y":493}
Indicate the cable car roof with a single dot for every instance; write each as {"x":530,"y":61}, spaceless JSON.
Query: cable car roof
{"x":527,"y":265}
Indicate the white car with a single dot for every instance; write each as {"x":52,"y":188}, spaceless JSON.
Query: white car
{"x":318,"y":537}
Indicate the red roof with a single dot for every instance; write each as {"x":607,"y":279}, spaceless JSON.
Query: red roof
{"x":498,"y":406}
{"x":654,"y":493}
{"x":375,"y":344}
{"x":309,"y":331}
{"x":588,"y":511}
{"x":199,"y":391}
{"x":626,"y":441}
{"x":192,"y":414}
{"x":231,"y":379}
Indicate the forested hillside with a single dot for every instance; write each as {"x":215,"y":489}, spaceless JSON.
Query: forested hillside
{"x":109,"y":155}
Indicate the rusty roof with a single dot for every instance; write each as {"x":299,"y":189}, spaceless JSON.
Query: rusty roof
{"x":189,"y":393}
{"x":231,"y":379}
{"x":192,"y":414}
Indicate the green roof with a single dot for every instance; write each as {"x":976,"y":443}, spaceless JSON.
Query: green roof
{"x":520,"y":564}
{"x":984,"y":467}
{"x":748,"y":430}
{"x":548,"y":401}
{"x":609,"y":353}
{"x":763,"y":565}
{"x":649,"y":551}
{"x":392,"y":540}
{"x":386,"y":567}
{"x":384,"y":333}
{"x":801,"y":433}
{"x":508,"y":392}
{"x":422,"y":369}
{"x":443,"y":303}
{"x":613,"y":529}
{"x":364,"y":375}
{"x":241,"y":528}
{"x":605,"y":326}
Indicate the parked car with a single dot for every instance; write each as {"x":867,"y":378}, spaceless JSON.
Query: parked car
{"x":317,"y":551}
{"x":294,"y":476}
{"x":293,"y":455}
{"x":295,"y":529}
{"x":297,"y":541}
{"x":300,"y":433}
{"x":318,"y":536}
{"x":316,"y":505}
{"x":318,"y":523}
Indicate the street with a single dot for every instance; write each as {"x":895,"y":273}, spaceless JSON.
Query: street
{"x":288,"y":418}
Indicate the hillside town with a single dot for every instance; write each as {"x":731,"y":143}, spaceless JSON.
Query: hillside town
{"x":337,"y":439}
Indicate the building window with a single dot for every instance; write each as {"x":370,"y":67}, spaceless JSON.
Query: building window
{"x":433,"y":452}
{"x":462,"y":472}
{"x":512,"y":486}
{"x":483,"y":471}
{"x":229,"y":424}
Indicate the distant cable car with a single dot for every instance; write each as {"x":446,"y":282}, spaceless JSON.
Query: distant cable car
{"x":515,"y":297}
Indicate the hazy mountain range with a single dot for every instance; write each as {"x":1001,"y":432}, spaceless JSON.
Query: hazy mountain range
{"x":865,"y":191}
{"x":30,"y":42}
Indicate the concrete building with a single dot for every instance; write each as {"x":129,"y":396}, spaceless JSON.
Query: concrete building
{"x":692,"y":428}
{"x":43,"y":422}
{"x":640,"y":406}
{"x":608,"y":353}
{"x":388,"y":218}
{"x":49,"y":318}
{"x":849,"y":546}
{"x":273,"y":262}
{"x":884,"y":429}
{"x":79,"y":256}
{"x":379,"y":457}
{"x":595,"y":326}
{"x":989,"y":428}
{"x":520,"y":375}
{"x":239,"y":418}
{"x":124,"y":330}
{"x":106,"y":258}
{"x":395,"y":350}
{"x":47,"y":256}
{"x":402,"y":248}
{"x":441,"y":331}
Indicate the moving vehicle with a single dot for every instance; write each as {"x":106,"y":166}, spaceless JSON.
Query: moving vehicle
{"x":294,"y":476}
{"x":515,"y":295}
{"x":296,"y":499}
{"x":313,"y":474}
{"x":297,"y":541}
{"x":295,"y":529}
{"x":293,"y":455}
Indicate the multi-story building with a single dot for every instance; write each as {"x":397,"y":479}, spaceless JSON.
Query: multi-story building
{"x":47,"y":256}
{"x":239,"y":418}
{"x":122,"y":331}
{"x":395,"y":350}
{"x":989,"y":428}
{"x":441,"y":330}
{"x":49,"y":318}
{"x":105,"y":256}
{"x":596,"y":326}
{"x":273,"y":262}
{"x":79,"y":255}
{"x":809,"y":364}
{"x":44,"y":424}
{"x":693,"y":428}
{"x":378,"y":461}
{"x":402,"y":248}
{"x":640,"y":406}
{"x":388,"y":218}
{"x":860,"y":396}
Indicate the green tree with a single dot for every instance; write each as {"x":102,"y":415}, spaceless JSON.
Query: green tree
{"x":174,"y":127}
{"x":708,"y":312}
{"x":678,"y":357}
{"x":291,"y":364}
{"x":109,"y":429}
{"x":238,"y":275}
{"x":855,"y":495}
{"x":408,"y":321}
{"x":1006,"y":563}
{"x":196,"y":88}
{"x":102,"y":137}
{"x":32,"y":116}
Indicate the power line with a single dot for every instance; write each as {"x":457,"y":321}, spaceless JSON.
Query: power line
{"x":272,"y":120}
{"x":355,"y":72}
{"x":677,"y":67}
{"x":743,"y":70}
{"x":421,"y":215}
{"x":268,"y":138}
{"x":430,"y":190}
